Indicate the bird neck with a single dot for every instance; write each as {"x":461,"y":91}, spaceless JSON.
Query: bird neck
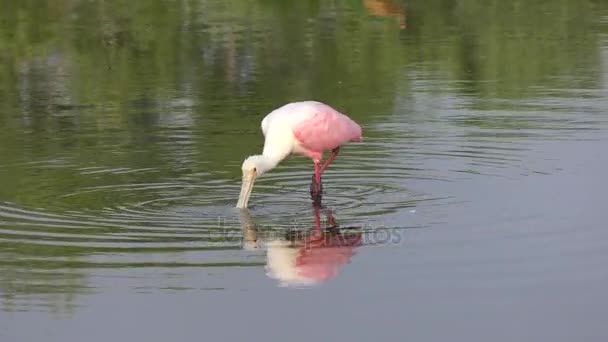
{"x":273,"y":153}
{"x":266,"y":163}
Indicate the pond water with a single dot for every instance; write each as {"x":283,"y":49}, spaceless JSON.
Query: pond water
{"x":472,"y":209}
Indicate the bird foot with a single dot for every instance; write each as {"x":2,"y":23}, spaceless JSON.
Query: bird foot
{"x":316,"y":191}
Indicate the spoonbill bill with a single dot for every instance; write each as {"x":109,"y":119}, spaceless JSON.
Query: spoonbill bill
{"x":307,"y":128}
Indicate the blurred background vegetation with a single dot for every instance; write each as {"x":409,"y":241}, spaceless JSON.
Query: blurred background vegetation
{"x":111,"y":56}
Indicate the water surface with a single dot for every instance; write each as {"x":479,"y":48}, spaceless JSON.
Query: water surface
{"x":472,"y":210}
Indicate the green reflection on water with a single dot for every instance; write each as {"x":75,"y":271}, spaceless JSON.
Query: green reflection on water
{"x":93,"y":81}
{"x":153,"y":91}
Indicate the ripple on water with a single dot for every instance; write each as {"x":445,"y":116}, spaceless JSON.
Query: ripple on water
{"x":196,"y":218}
{"x":193,"y":213}
{"x":124,"y":228}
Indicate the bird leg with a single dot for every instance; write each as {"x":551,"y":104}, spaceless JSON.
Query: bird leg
{"x":331,"y":221}
{"x":332,"y":156}
{"x":316,"y":188}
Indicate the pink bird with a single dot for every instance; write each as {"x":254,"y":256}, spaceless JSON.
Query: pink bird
{"x":307,"y":128}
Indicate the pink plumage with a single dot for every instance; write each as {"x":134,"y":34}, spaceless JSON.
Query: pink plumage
{"x":326,"y":129}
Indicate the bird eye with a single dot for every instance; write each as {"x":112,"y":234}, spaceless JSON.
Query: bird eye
{"x":255,"y":169}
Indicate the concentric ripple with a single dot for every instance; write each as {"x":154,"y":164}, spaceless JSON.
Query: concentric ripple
{"x":190,"y":220}
{"x":121,"y":222}
{"x":177,"y":210}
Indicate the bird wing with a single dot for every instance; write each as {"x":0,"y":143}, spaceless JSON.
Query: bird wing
{"x":326,"y":129}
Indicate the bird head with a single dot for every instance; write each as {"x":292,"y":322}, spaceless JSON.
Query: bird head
{"x":255,"y":164}
{"x":253,"y":167}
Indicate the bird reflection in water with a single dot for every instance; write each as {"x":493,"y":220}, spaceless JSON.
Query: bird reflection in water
{"x":305,"y":257}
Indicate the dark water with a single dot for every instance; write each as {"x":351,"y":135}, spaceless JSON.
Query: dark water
{"x":474,"y":209}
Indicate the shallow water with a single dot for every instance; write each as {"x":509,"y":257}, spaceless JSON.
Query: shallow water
{"x":473,"y":208}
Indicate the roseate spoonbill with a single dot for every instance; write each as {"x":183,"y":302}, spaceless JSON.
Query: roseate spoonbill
{"x":306,"y":128}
